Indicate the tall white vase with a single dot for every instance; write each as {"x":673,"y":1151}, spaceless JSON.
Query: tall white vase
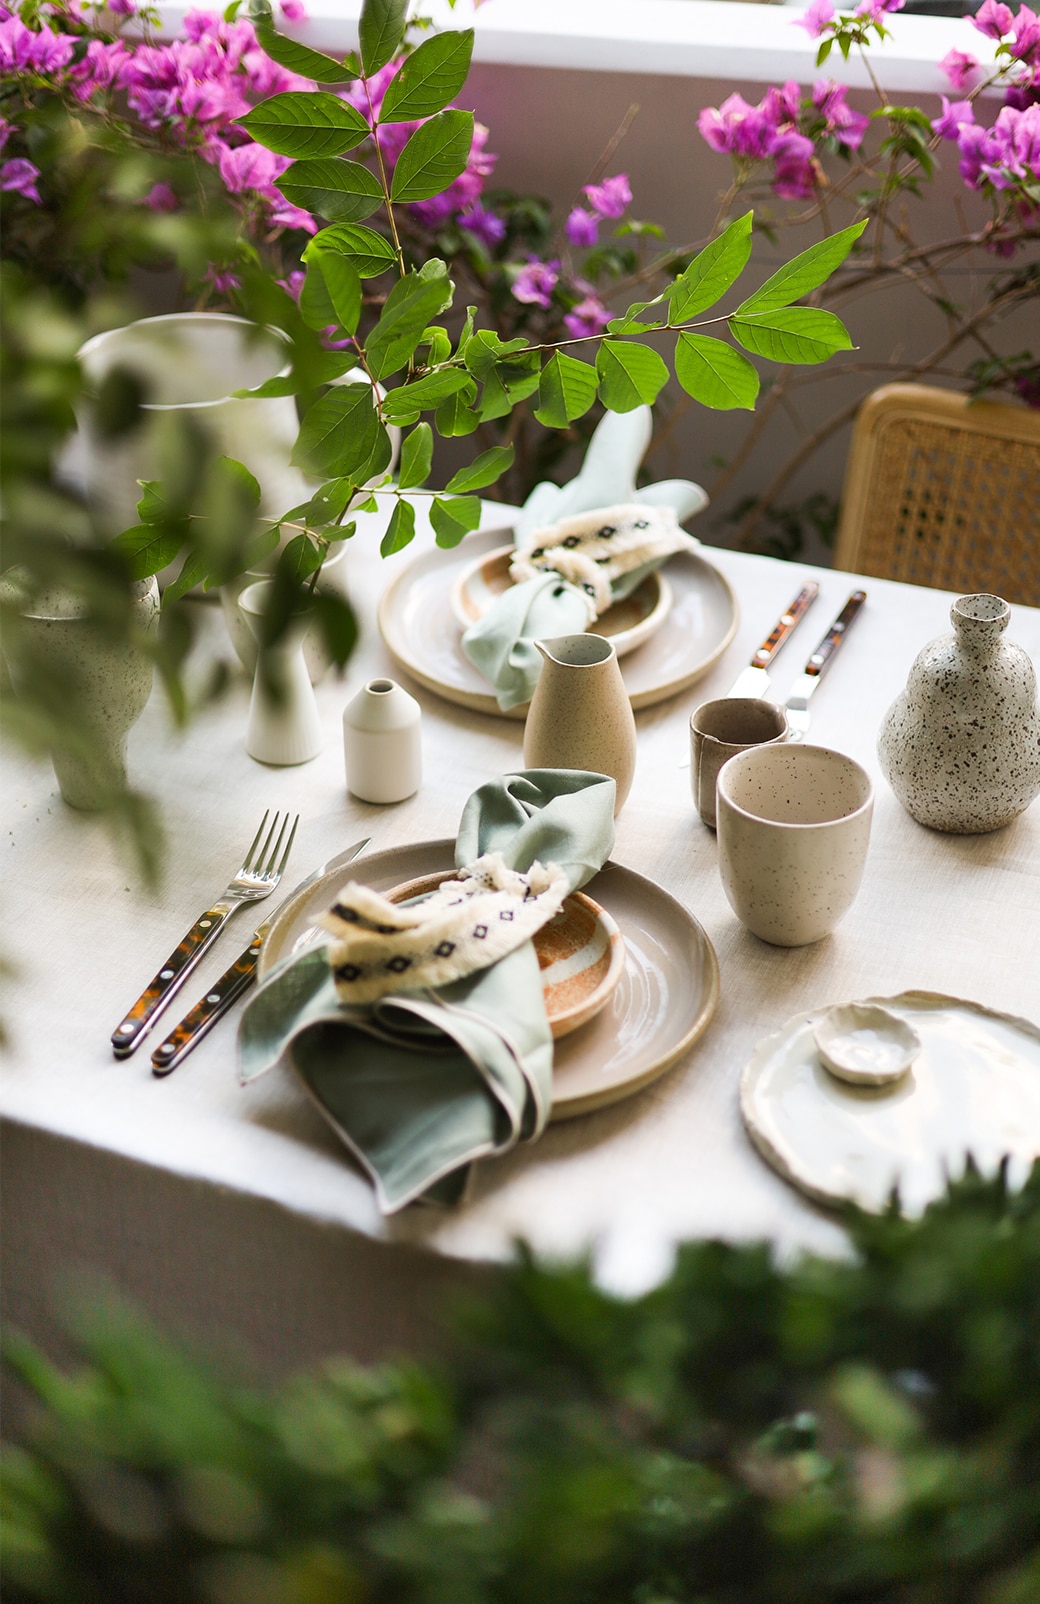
{"x":283,"y":728}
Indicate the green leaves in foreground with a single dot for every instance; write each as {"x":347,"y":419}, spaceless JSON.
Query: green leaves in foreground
{"x":714,"y":374}
{"x":455,"y":518}
{"x":434,"y":156}
{"x":430,"y":78}
{"x":630,"y":375}
{"x":566,"y":390}
{"x":306,"y":123}
{"x":804,"y":334}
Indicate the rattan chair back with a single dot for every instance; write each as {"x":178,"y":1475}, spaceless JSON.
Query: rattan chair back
{"x":944,"y":491}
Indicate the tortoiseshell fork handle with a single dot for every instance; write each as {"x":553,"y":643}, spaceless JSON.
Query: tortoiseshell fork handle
{"x":232,"y":983}
{"x":168,"y":981}
{"x":834,"y":636}
{"x":784,"y":625}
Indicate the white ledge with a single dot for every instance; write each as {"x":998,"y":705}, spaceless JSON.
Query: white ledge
{"x":714,"y":39}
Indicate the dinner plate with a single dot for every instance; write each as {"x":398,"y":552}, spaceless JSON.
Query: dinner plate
{"x":973,"y":1088}
{"x":662,"y":1003}
{"x":626,"y":625}
{"x":421,"y":631}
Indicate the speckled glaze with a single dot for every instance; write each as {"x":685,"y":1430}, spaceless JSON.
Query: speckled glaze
{"x":721,"y":729}
{"x":793,"y":826}
{"x":580,"y":715}
{"x":960,"y":747}
{"x":112,"y":679}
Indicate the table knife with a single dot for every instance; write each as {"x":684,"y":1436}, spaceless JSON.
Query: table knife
{"x":235,"y":980}
{"x":797,"y":703}
{"x":754,"y":679}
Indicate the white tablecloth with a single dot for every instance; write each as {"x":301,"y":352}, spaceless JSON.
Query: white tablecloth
{"x":239,"y":1208}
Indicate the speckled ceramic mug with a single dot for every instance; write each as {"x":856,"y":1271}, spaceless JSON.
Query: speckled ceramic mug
{"x":721,"y":729}
{"x":793,"y":827}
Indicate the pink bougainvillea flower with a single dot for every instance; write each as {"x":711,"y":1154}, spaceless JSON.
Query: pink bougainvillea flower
{"x":483,"y":224}
{"x":251,"y":166}
{"x":105,"y":66}
{"x":24,"y":49}
{"x":993,"y":19}
{"x":20,"y":176}
{"x":293,"y":10}
{"x":285,"y":215}
{"x":582,"y":227}
{"x":610,"y":197}
{"x":876,"y":9}
{"x":1025,"y":43}
{"x":123,"y":8}
{"x":782,"y":105}
{"x":6,"y":130}
{"x":293,"y":284}
{"x":161,"y":198}
{"x":960,"y":67}
{"x":847,"y":126}
{"x":816,"y":19}
{"x":737,"y":127}
{"x":794,"y":174}
{"x":222,"y":279}
{"x":956,"y":114}
{"x":589,"y":317}
{"x":535,"y":282}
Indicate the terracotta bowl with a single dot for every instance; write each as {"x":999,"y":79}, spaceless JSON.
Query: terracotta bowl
{"x":627,"y":624}
{"x":581,"y":954}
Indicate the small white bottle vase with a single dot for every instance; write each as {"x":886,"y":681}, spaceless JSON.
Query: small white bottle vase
{"x":382,"y":743}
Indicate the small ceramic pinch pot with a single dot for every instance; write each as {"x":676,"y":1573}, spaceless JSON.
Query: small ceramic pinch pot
{"x":580,"y":715}
{"x":793,"y":826}
{"x":865,"y":1044}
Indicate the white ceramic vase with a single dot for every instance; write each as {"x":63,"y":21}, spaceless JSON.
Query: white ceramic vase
{"x":283,"y":727}
{"x":382,"y":743}
{"x":580,"y":715}
{"x":960,"y":746}
{"x":111,"y":681}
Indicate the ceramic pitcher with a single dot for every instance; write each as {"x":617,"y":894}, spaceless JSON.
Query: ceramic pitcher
{"x":580,"y":715}
{"x":960,"y":746}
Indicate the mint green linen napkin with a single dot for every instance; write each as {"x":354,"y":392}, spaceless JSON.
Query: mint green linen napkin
{"x":421,"y":1083}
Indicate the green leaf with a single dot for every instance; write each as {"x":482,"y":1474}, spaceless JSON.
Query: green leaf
{"x":483,"y":351}
{"x":335,"y":619}
{"x":147,"y":548}
{"x":301,"y":557}
{"x":416,"y":457}
{"x":322,"y":368}
{"x":369,"y":253}
{"x":378,"y":460}
{"x":400,"y":531}
{"x":566,"y":390}
{"x":238,"y":477}
{"x":430,"y":78}
{"x":153,"y":506}
{"x":380,"y":32}
{"x":412,"y":302}
{"x":193,"y":573}
{"x":299,"y":58}
{"x":404,"y":404}
{"x":630,"y":375}
{"x":434,"y":156}
{"x":712,"y":271}
{"x":803,"y":273}
{"x":331,"y":293}
{"x":824,"y":51}
{"x":714,"y":374}
{"x":454,"y":519}
{"x":343,"y":191}
{"x":792,"y":334}
{"x":438,"y":345}
{"x":306,"y":123}
{"x":455,"y":417}
{"x":483,"y":470}
{"x":338,"y":434}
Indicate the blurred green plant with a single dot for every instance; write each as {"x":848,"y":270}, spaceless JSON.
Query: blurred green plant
{"x":860,"y":1431}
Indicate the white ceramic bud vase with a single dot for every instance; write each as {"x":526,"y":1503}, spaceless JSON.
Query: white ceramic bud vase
{"x":960,"y":747}
{"x":580,"y":715}
{"x":283,"y":727}
{"x":382,"y":743}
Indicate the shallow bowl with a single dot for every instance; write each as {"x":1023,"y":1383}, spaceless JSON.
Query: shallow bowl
{"x":581,"y":954}
{"x":627,"y":624}
{"x":865,"y":1044}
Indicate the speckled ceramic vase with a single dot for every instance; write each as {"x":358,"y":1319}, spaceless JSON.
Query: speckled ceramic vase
{"x":960,"y":746}
{"x":580,"y":715}
{"x":112,"y":681}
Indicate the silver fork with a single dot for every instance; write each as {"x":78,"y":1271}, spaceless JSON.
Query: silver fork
{"x":255,"y":880}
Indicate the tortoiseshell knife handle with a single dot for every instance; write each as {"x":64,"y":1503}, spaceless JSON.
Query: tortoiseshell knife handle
{"x":785,"y":624}
{"x":171,"y":977}
{"x":836,"y":634}
{"x":232,"y":983}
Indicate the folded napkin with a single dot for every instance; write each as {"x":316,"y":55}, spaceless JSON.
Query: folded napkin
{"x":421,"y":1031}
{"x":564,"y":577}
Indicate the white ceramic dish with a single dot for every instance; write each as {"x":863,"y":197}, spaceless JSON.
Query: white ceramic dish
{"x":974,"y":1088}
{"x":666,"y":995}
{"x":865,"y":1044}
{"x":626,"y":625}
{"x":417,"y":623}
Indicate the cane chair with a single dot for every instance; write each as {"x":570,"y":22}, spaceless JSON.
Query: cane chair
{"x":944,"y":491}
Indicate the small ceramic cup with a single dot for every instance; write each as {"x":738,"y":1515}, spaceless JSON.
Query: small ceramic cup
{"x":718,"y":731}
{"x":793,"y":825}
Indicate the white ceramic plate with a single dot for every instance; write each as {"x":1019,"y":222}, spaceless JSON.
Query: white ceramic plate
{"x":626,"y":625}
{"x":420,"y":629}
{"x":662,"y":1003}
{"x":973,"y":1088}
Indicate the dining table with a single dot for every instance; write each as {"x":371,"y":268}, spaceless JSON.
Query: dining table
{"x":232,"y":1213}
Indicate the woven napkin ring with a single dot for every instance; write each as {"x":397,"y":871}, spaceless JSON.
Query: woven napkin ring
{"x":467,"y":923}
{"x":593,"y":549}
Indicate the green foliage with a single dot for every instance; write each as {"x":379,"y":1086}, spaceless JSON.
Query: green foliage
{"x":856,"y":1431}
{"x":434,"y":157}
{"x":430,"y":78}
{"x":713,"y":373}
{"x":306,"y":124}
{"x":346,"y":192}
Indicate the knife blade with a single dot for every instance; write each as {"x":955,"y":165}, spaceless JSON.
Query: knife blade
{"x":797,"y":703}
{"x":754,"y":679}
{"x":235,"y":980}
